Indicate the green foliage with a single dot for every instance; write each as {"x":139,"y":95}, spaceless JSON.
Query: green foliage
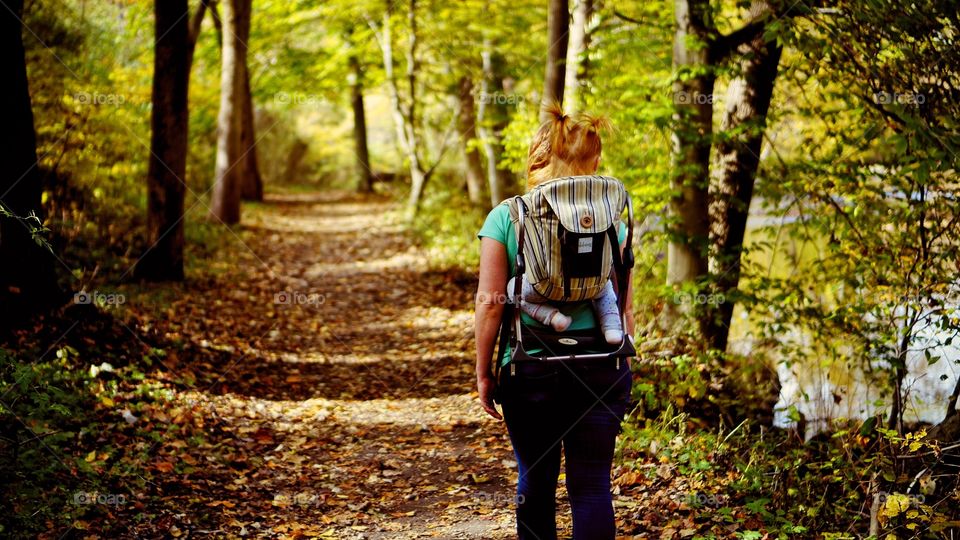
{"x":47,"y":405}
{"x":864,"y":187}
{"x":448,"y":229}
{"x":771,"y":483}
{"x":38,"y":231}
{"x":80,"y":424}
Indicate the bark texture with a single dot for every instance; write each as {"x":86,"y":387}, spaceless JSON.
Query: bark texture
{"x":27,"y":277}
{"x":735,"y":171}
{"x":364,"y":174}
{"x":228,"y":174}
{"x":692,"y":94}
{"x":169,"y":122}
{"x":467,"y":126}
{"x":577,"y":61}
{"x":493,"y":115}
{"x":558,"y":36}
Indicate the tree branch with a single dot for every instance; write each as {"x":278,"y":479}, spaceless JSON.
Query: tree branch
{"x":217,"y":23}
{"x":623,"y":17}
{"x":445,"y":145}
{"x":196,"y":21}
{"x":724,"y":45}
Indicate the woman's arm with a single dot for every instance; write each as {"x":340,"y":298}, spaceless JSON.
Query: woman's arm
{"x":491,"y":295}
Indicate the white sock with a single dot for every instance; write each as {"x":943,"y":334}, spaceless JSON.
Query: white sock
{"x":560,"y":322}
{"x":613,"y":336}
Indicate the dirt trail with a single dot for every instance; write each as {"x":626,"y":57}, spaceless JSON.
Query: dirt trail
{"x":343,"y":407}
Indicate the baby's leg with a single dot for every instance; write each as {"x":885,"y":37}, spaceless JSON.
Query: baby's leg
{"x":537,"y":307}
{"x":609,"y":314}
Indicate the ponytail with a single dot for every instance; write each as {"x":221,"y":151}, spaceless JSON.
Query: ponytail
{"x":558,"y":126}
{"x":596,"y":123}
{"x":564,"y":146}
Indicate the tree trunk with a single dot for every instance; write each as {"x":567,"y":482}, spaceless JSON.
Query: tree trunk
{"x":466,"y":123}
{"x":225,"y":204}
{"x":405,"y":120}
{"x":687,"y":253}
{"x":576,"y":71}
{"x":196,"y":22}
{"x":418,"y":176}
{"x":364,"y":174}
{"x":169,"y":121}
{"x":252,"y":189}
{"x":910,"y":320}
{"x":492,"y":117}
{"x":294,"y":159}
{"x":735,"y":171}
{"x":418,"y":180}
{"x":558,"y":34}
{"x":217,"y":22}
{"x":27,"y":278}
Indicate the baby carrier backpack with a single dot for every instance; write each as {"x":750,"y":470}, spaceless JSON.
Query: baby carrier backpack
{"x":567,"y":249}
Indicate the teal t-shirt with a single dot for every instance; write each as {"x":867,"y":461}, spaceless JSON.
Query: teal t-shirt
{"x":499,"y":227}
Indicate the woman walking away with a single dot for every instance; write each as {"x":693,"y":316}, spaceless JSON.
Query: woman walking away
{"x":549,"y":407}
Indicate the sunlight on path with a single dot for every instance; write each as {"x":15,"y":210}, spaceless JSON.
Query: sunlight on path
{"x":353,"y":415}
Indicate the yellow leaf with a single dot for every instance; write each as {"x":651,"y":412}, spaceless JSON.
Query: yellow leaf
{"x":896,"y":504}
{"x":479,"y":478}
{"x":91,"y":456}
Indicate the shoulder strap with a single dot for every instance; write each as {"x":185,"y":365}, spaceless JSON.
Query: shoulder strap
{"x":507,"y":316}
{"x":506,"y":320}
{"x":620,"y":269}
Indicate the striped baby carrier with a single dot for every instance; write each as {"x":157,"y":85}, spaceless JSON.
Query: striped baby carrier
{"x":567,"y":249}
{"x":571,"y":227}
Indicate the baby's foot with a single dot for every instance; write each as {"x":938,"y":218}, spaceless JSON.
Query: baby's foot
{"x":613,"y":336}
{"x":560,"y":322}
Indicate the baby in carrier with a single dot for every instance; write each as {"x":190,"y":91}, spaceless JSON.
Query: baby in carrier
{"x":572,"y":148}
{"x":605,"y":305}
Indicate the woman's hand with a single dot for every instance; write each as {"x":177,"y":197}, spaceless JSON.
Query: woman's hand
{"x":485,"y":386}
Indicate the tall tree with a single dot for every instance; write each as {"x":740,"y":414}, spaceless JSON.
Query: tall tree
{"x":27,"y":278}
{"x":492,"y":119}
{"x":467,"y":125}
{"x":364,"y":174}
{"x":735,"y":169}
{"x":693,"y":102}
{"x":577,"y":63}
{"x":228,"y":175}
{"x":406,"y":113}
{"x":298,"y":150}
{"x":558,"y":36}
{"x":252,"y":186}
{"x":174,"y":39}
{"x":405,"y":118}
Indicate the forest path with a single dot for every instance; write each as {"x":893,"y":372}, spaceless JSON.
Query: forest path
{"x":344,"y":406}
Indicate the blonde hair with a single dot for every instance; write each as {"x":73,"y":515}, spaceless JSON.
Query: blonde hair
{"x":564,"y":146}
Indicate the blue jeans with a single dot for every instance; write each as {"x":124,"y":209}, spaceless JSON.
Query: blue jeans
{"x":578,"y":407}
